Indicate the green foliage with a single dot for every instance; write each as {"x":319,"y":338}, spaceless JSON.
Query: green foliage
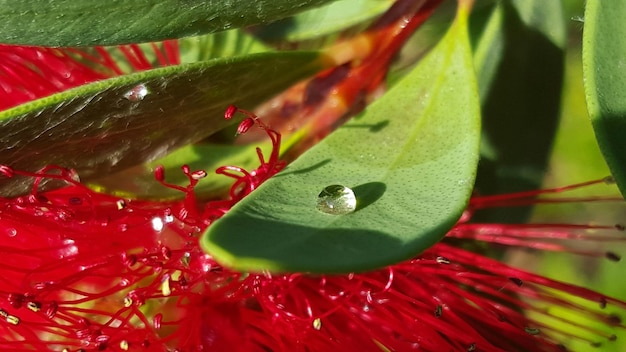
{"x":605,"y":81}
{"x":519,"y":58}
{"x":412,"y":178}
{"x":97,"y":130}
{"x":138,"y":181}
{"x":97,"y":22}
{"x":411,"y":156}
{"x":326,"y":20}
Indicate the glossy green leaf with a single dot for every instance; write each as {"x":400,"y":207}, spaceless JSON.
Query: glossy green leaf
{"x":230,"y":43}
{"x":98,"y":22}
{"x":519,"y":57}
{"x":222,"y":44}
{"x":604,"y":51}
{"x":322,"y":21}
{"x":97,"y":129}
{"x":139,"y":182}
{"x":412,"y":179}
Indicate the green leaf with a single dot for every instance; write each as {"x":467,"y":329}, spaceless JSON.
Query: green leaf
{"x":222,"y":44}
{"x":96,"y":130}
{"x":230,"y":43}
{"x":110,"y":22}
{"x":519,"y":58}
{"x":604,"y":51}
{"x":139,"y":182}
{"x":320,"y":22}
{"x":412,"y":179}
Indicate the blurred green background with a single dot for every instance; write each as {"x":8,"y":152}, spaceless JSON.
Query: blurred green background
{"x":577,"y":158}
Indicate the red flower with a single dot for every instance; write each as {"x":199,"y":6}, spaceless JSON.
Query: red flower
{"x":87,"y":271}
{"x":28,"y":73}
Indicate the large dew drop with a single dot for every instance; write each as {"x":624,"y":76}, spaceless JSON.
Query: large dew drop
{"x":336,"y":200}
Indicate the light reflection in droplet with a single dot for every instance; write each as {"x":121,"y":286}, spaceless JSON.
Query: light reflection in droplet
{"x":336,"y":200}
{"x":137,"y":93}
{"x":11,"y":232}
{"x":157,"y":224}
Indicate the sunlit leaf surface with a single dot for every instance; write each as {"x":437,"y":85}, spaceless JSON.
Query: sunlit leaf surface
{"x":410,"y":159}
{"x":331,"y":18}
{"x":110,"y":125}
{"x":604,"y":51}
{"x":97,"y":22}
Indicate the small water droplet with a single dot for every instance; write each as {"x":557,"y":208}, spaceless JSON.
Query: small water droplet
{"x":336,"y":200}
{"x":157,"y":224}
{"x":137,"y":93}
{"x":11,"y":232}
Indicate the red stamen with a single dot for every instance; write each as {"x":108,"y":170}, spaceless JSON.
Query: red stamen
{"x":84,"y":270}
{"x":29,"y":73}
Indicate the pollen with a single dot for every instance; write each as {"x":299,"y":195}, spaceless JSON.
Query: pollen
{"x":165,"y":287}
{"x":12,"y":319}
{"x":121,"y":204}
{"x":443,"y":260}
{"x":317,"y":324}
{"x":34,"y":306}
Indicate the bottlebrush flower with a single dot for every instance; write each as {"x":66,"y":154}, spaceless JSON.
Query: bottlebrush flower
{"x":28,"y":73}
{"x":86,"y":271}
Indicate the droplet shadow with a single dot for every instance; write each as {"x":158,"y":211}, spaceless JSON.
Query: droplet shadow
{"x":368,"y":193}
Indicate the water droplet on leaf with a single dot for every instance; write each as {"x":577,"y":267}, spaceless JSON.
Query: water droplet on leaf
{"x":137,"y":93}
{"x":336,"y":200}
